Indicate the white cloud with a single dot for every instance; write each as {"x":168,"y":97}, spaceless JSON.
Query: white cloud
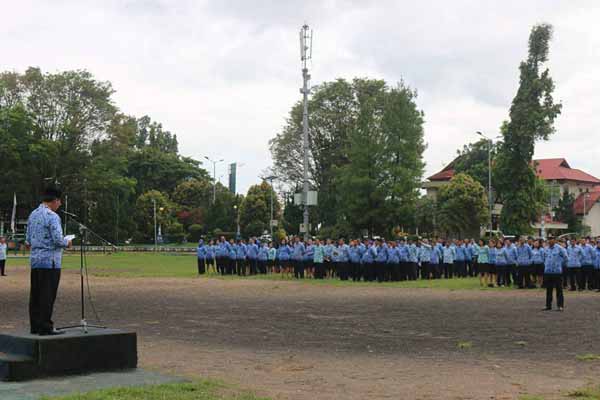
{"x":223,"y":74}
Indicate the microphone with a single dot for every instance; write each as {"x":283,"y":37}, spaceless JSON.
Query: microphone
{"x":68,"y":213}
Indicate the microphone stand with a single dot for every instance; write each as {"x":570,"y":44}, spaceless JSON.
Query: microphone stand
{"x":83,"y":231}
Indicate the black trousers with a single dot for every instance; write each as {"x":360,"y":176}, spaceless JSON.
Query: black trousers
{"x":468,"y":267}
{"x":308,"y":264}
{"x":298,"y":269}
{"x":319,"y":270}
{"x":388,"y":272}
{"x":395,"y":272}
{"x":413,"y":271}
{"x":524,"y":276}
{"x":44,"y":286}
{"x":435,"y":270}
{"x":460,"y":269}
{"x":2,"y":267}
{"x":239,"y":266}
{"x":403,"y":271}
{"x":448,"y":270}
{"x":342,"y":269}
{"x":262,"y":266}
{"x":327,"y":267}
{"x":425,"y":270}
{"x":369,"y":272}
{"x":574,"y":278}
{"x":201,"y":266}
{"x":587,"y":277}
{"x":554,"y":281}
{"x":356,"y":271}
{"x":380,"y":271}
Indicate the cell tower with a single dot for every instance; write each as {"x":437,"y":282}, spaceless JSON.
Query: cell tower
{"x":305,"y":55}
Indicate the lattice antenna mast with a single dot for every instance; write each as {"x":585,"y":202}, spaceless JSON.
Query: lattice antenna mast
{"x":306,"y":36}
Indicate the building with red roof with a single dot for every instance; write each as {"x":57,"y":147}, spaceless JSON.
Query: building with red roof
{"x":560,"y":177}
{"x":587,"y":205}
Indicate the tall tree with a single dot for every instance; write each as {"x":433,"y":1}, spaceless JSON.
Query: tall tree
{"x":332,"y":110}
{"x":144,"y":214}
{"x":473,"y":160}
{"x":565,"y":212}
{"x":64,"y":127}
{"x":255,"y":211}
{"x":463,"y":206}
{"x":532,"y":116}
{"x":364,"y":137}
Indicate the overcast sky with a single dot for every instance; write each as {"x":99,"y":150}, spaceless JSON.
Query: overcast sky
{"x":223,"y":74}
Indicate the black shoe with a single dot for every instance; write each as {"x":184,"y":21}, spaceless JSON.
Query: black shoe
{"x":53,"y":332}
{"x":547,"y":309}
{"x":561,"y":309}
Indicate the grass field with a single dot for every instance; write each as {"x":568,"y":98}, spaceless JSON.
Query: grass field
{"x":165,"y":265}
{"x":215,"y":390}
{"x":202,"y":390}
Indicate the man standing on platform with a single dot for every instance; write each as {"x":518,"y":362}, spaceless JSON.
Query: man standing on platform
{"x":45,"y":237}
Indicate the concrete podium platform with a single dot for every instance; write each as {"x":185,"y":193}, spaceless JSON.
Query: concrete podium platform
{"x":26,"y":356}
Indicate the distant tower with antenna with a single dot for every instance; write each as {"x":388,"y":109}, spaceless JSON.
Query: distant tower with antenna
{"x":306,"y":37}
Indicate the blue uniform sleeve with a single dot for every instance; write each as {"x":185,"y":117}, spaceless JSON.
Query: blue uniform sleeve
{"x":56,"y":232}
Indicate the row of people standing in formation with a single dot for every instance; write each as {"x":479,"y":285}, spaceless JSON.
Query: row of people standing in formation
{"x":497,"y":262}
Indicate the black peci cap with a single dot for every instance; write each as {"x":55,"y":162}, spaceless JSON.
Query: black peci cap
{"x":51,"y":193}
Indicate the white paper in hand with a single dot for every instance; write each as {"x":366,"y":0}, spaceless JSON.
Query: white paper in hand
{"x":70,"y":237}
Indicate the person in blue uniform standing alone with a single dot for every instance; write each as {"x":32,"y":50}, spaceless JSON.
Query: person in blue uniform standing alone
{"x":201,"y":255}
{"x":45,"y":238}
{"x":555,"y":259}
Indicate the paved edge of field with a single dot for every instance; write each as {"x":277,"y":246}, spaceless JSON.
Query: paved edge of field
{"x":60,"y":386}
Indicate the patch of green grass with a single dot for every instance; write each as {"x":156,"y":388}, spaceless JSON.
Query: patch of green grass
{"x":136,"y":265}
{"x":178,"y":265}
{"x":588,"y":357}
{"x":201,"y":390}
{"x":592,"y":393}
{"x":464,"y":345}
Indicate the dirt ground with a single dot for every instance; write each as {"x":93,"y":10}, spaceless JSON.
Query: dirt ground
{"x":291,"y":340}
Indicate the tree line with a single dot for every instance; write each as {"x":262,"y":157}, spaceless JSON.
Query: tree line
{"x":64,"y":128}
{"x":366,"y":146}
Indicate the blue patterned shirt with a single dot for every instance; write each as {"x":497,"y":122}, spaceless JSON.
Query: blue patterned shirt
{"x":45,"y":235}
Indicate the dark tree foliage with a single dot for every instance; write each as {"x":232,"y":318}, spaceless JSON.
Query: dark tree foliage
{"x":565,"y":212}
{"x":473,"y":160}
{"x":532,"y":116}
{"x":366,"y":145}
{"x":255,"y":211}
{"x":64,"y":127}
{"x":463,"y":207}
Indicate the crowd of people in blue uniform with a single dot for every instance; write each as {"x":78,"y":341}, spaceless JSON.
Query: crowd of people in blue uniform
{"x":522,"y":263}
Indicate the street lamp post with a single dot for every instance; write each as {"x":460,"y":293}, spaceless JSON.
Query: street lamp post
{"x":155,"y":233}
{"x":237,"y":232}
{"x":270,"y":179}
{"x":489,"y":177}
{"x":214,"y":162}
